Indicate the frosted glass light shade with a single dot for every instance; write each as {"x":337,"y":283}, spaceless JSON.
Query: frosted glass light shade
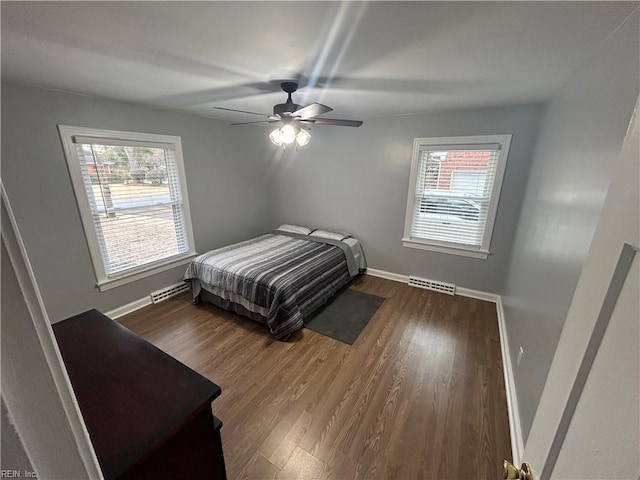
{"x":303,"y":138}
{"x":288,"y":134}
{"x":276,"y":136}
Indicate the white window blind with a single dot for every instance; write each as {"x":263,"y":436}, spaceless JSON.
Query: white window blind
{"x":453,"y":197}
{"x":132,"y":200}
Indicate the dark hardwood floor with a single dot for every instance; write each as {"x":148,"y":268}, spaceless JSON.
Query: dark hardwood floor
{"x":419,"y":395}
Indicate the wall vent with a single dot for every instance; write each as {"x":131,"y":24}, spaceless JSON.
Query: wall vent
{"x":442,"y":287}
{"x":169,"y":291}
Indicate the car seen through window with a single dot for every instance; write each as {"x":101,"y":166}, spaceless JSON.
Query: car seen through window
{"x":449,"y":210}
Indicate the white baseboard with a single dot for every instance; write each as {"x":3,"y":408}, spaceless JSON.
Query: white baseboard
{"x":515,"y":429}
{"x":388,"y":275}
{"x":129,"y":307}
{"x":468,"y":292}
{"x":464,"y":292}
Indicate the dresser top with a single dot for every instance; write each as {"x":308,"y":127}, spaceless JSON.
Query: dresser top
{"x":132,"y":395}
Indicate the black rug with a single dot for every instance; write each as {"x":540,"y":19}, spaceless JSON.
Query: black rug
{"x":345,"y":315}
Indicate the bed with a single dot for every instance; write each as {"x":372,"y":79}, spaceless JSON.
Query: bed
{"x":278,"y":278}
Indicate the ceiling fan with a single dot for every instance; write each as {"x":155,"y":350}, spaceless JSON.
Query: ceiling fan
{"x":295,"y":119}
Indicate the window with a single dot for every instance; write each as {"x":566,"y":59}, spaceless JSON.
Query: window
{"x":132,"y":198}
{"x":453,"y":193}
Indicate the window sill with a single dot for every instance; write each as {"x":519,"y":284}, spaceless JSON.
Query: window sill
{"x":109,"y":283}
{"x":462,"y":251}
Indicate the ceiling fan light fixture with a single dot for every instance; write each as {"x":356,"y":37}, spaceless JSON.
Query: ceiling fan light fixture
{"x":292,"y":117}
{"x":276,"y":137}
{"x":303,"y":138}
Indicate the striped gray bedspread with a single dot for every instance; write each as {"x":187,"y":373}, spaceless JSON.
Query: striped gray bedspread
{"x":287,"y":274}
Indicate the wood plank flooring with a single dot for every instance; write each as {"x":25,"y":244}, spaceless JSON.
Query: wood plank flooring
{"x":419,"y":395}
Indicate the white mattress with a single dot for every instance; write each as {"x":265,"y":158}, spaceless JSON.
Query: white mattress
{"x":356,"y":248}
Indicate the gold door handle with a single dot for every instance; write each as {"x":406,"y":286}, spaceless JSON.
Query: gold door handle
{"x":511,"y":472}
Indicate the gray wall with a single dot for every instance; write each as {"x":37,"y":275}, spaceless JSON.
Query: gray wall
{"x":350,"y":179}
{"x":581,"y":132}
{"x":357,"y":179}
{"x":39,"y":404}
{"x":225,"y":179}
{"x":12,"y":453}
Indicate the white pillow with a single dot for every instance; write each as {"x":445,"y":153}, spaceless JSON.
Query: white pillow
{"x":331,"y":235}
{"x":295,"y":229}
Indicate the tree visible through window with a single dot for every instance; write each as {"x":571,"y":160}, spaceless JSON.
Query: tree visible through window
{"x":130,"y":190}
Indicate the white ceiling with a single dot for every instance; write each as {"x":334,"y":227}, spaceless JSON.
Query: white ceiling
{"x":364,"y":59}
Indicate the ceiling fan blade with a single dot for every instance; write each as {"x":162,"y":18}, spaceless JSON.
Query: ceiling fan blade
{"x":248,"y":123}
{"x":310,"y":111}
{"x":334,"y":121}
{"x":240,"y":111}
{"x":271,"y":119}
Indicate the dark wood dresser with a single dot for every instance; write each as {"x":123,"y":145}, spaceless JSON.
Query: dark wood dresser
{"x":148,"y":415}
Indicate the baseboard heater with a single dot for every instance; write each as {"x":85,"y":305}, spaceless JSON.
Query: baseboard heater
{"x":169,"y":291}
{"x":448,"y":288}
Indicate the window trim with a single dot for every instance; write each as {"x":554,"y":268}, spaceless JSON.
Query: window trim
{"x":103,"y":281}
{"x":448,"y":247}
